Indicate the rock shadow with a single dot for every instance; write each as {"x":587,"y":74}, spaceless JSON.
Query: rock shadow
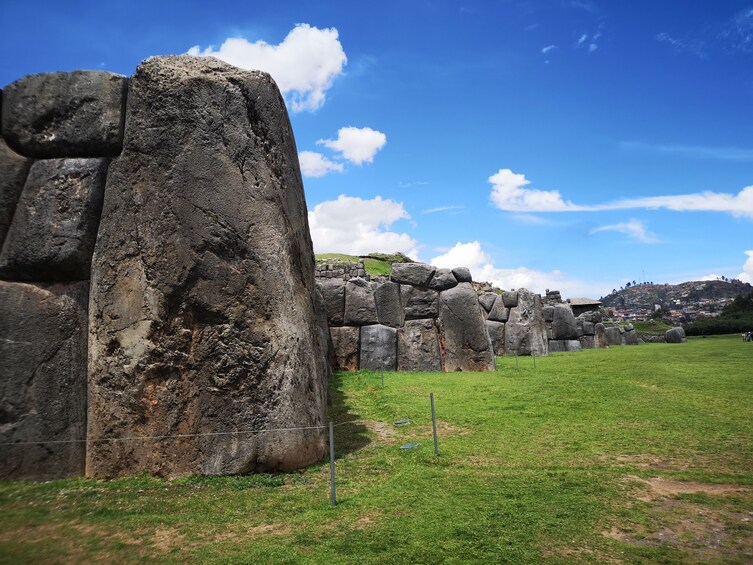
{"x":351,"y":433}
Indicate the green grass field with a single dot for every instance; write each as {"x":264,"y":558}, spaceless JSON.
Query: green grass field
{"x":628,"y":455}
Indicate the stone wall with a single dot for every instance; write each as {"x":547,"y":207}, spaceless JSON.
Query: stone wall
{"x":344,"y":271}
{"x":156,"y":276}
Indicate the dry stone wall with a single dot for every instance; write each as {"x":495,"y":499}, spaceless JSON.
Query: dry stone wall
{"x":156,"y":276}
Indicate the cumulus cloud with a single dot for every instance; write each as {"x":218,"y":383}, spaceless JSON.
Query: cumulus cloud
{"x":636,"y":229}
{"x":711,"y":277}
{"x":304,"y":65}
{"x":315,"y":164}
{"x":357,"y":145}
{"x":482,"y":268}
{"x":508,"y":193}
{"x":358,"y":226}
{"x":747,"y":274}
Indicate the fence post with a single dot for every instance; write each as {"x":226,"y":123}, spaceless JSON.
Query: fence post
{"x":534,"y":359}
{"x":382,"y":377}
{"x":434,"y":425}
{"x":332,"y":493}
{"x":516,"y":359}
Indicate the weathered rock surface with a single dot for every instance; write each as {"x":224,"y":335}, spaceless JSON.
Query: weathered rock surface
{"x":487,"y":300}
{"x":466,"y":346}
{"x":510,"y":299}
{"x":631,"y":338}
{"x":202,"y":315}
{"x":587,"y":341}
{"x":600,"y":336}
{"x":345,"y":345}
{"x":675,"y":335}
{"x":55,"y":225}
{"x":613,"y":335}
{"x":360,"y":305}
{"x":333,"y":294}
{"x":416,"y":274}
{"x":418,"y":346}
{"x":564,"y":345}
{"x":76,"y":114}
{"x":443,"y":279}
{"x":388,"y":304}
{"x":462,"y":274}
{"x":499,"y":312}
{"x":43,"y":379}
{"x":584,"y":327}
{"x":13,"y":170}
{"x":548,"y":313}
{"x":378,"y":348}
{"x":497,"y":336}
{"x":525,"y":331}
{"x":564,"y":326}
{"x":419,"y":303}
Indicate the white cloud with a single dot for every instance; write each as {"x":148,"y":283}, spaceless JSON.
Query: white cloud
{"x":508,"y":194}
{"x":582,"y":39}
{"x":482,"y":268}
{"x":356,"y":226}
{"x":634,"y":228}
{"x":315,"y":164}
{"x":592,"y":47}
{"x":693,"y":151}
{"x":357,"y":145}
{"x":304,"y":65}
{"x":711,"y":277}
{"x":747,"y":274}
{"x":548,"y":48}
{"x":442,"y":209}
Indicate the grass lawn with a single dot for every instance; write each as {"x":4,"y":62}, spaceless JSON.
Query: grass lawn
{"x":628,"y":455}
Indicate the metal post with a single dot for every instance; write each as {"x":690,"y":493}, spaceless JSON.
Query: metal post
{"x":332,"y":493}
{"x":534,"y":359}
{"x":382,"y":377}
{"x":516,"y":359}
{"x":434,"y":425}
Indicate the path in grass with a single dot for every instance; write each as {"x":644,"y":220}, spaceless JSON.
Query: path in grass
{"x":633,"y":454}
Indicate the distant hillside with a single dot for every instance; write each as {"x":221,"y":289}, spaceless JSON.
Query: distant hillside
{"x":373,"y":263}
{"x":735,"y":317}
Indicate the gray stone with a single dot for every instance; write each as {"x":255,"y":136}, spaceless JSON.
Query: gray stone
{"x":13,"y":170}
{"x":345,"y":345}
{"x":388,"y":304}
{"x":613,"y":336}
{"x":548,"y":313}
{"x":497,"y":336}
{"x":443,"y":279}
{"x":631,"y":338}
{"x":378,"y":348}
{"x":55,"y":225}
{"x":510,"y":299}
{"x":76,"y":114}
{"x":416,"y":274}
{"x":593,"y":316}
{"x":587,"y":341}
{"x":42,"y":379}
{"x":600,"y":336}
{"x":202,"y":313}
{"x":465,"y":340}
{"x":360,"y":305}
{"x":333,"y":294}
{"x":675,"y":335}
{"x":419,"y":303}
{"x":557,"y":346}
{"x":499,"y":313}
{"x":487,"y":300}
{"x":564,"y":325}
{"x":418,"y":346}
{"x":462,"y":274}
{"x":588,"y":327}
{"x":525,"y":331}
{"x":628,"y":327}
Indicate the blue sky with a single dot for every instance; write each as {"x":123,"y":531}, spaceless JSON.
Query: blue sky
{"x":550,"y":144}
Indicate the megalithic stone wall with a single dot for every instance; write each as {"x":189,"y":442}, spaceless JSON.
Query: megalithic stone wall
{"x":202,"y":312}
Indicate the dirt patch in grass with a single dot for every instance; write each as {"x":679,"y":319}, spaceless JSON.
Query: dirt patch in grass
{"x":385,"y":432}
{"x":253,"y":532}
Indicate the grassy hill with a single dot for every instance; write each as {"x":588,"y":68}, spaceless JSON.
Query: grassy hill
{"x":374,"y":263}
{"x":633,"y":454}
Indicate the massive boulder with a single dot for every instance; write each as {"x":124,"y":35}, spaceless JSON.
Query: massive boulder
{"x":202,"y":312}
{"x":389,"y":305}
{"x":564,"y":345}
{"x":43,"y":379}
{"x":614,"y":336}
{"x":55,"y":225}
{"x":600,"y":336}
{"x":76,"y":114}
{"x":333,"y":294}
{"x":378,"y":348}
{"x":416,"y":274}
{"x":525,"y":331}
{"x":497,"y":336}
{"x":675,"y":335}
{"x":487,"y":300}
{"x":419,"y":303}
{"x":13,"y":170}
{"x":564,"y":326}
{"x":462,"y":274}
{"x":418,"y":346}
{"x":466,"y":345}
{"x":360,"y":306}
{"x":345,"y":346}
{"x":499,"y":312}
{"x":443,"y":279}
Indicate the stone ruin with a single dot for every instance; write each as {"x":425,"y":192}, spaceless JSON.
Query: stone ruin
{"x":156,"y":276}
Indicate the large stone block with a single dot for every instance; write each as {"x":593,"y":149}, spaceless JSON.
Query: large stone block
{"x":333,"y":294}
{"x":13,"y":170}
{"x":419,"y":303}
{"x":345,"y":342}
{"x":55,"y":225}
{"x":600,"y":336}
{"x":564,"y":326}
{"x":418,"y":346}
{"x":614,"y":336}
{"x":675,"y":335}
{"x":510,"y":299}
{"x":378,"y":348}
{"x":202,"y":311}
{"x":525,"y":331}
{"x":463,"y":335}
{"x":443,"y":279}
{"x":416,"y":274}
{"x":360,"y":304}
{"x":564,"y":345}
{"x":497,"y":336}
{"x":462,"y":274}
{"x":587,"y":341}
{"x":389,"y":305}
{"x":76,"y":114}
{"x":631,"y":338}
{"x":43,"y":379}
{"x":487,"y":300}
{"x":499,"y":312}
